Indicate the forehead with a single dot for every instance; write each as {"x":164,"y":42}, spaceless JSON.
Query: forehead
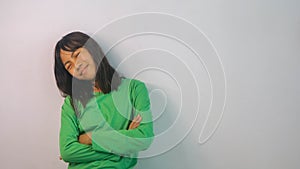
{"x":64,"y":53}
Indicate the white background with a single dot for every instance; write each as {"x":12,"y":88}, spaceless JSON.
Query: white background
{"x":258,"y":44}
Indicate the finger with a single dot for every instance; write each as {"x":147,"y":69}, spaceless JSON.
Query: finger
{"x":136,"y":118}
{"x":135,"y":122}
{"x":131,"y":126}
{"x":139,"y":118}
{"x":134,"y":125}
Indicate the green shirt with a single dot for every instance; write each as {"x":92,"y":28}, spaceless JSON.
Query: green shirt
{"x":107,"y":116}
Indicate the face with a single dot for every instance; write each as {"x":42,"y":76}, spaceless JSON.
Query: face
{"x":79,"y":63}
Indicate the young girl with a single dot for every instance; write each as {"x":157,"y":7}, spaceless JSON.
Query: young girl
{"x":105,"y":118}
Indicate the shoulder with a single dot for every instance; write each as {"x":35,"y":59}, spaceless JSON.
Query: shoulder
{"x":67,"y":105}
{"x":67,"y":101}
{"x":139,"y":95}
{"x":137,"y":88}
{"x":135,"y":84}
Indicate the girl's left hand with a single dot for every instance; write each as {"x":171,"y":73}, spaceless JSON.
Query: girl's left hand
{"x":135,"y":122}
{"x":85,"y":138}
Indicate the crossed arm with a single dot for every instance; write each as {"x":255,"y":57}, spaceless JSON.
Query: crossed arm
{"x":86,"y":138}
{"x":102,"y":145}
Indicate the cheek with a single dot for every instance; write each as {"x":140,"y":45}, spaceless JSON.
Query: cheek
{"x":94,"y":68}
{"x":71,"y":71}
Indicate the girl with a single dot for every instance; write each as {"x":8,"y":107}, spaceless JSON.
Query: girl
{"x":105,"y":118}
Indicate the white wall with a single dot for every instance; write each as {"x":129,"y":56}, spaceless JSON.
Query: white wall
{"x":248,"y":58}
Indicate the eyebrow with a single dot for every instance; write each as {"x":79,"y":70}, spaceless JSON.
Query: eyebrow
{"x":76,"y":54}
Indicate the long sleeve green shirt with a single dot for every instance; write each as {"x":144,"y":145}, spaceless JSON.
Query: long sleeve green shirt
{"x":107,"y":116}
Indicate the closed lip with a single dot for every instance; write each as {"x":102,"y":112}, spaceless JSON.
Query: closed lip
{"x":83,"y":70}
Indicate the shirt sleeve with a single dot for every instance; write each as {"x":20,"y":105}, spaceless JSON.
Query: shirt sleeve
{"x":128,"y":142}
{"x":71,"y":150}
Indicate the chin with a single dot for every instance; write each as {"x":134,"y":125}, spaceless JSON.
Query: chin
{"x":88,"y":78}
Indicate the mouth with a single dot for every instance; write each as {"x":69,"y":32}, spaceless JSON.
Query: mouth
{"x":83,"y":71}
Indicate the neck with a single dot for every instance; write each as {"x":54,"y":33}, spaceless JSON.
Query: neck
{"x":96,"y":89}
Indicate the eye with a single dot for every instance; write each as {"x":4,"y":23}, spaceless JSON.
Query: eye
{"x":69,"y":67}
{"x":75,"y":55}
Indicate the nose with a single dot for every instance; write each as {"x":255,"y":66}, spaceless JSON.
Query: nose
{"x":78,"y":66}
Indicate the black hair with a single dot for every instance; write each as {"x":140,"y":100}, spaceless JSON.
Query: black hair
{"x":107,"y":78}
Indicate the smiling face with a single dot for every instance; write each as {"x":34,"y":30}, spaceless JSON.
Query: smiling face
{"x":79,"y":63}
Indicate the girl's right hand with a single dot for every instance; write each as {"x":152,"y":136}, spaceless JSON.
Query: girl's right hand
{"x":135,"y":122}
